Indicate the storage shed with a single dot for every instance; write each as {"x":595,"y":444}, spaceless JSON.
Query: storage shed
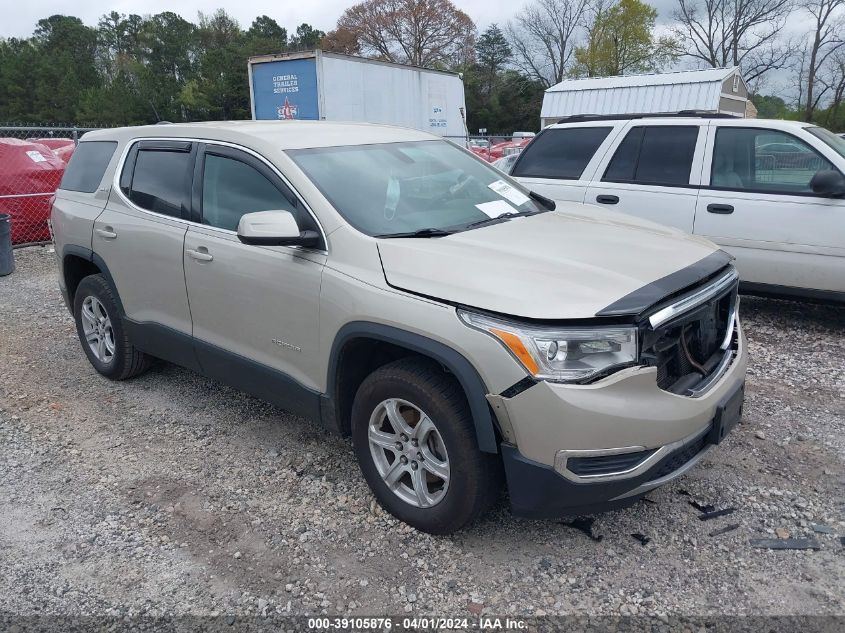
{"x":713,"y":90}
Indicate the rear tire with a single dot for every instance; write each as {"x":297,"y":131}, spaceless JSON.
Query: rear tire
{"x":441,"y":483}
{"x":99,"y":326}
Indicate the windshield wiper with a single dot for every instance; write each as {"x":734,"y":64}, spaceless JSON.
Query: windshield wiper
{"x":504,"y":216}
{"x":543,"y":200}
{"x":429,"y":232}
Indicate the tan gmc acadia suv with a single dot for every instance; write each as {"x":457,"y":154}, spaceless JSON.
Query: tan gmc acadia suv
{"x":392,"y":287}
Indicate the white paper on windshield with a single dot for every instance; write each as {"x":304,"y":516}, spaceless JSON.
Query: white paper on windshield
{"x":36,"y":157}
{"x":508,"y":192}
{"x":495,"y":209}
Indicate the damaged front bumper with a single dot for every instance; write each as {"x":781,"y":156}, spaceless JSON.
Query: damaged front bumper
{"x":573,"y":450}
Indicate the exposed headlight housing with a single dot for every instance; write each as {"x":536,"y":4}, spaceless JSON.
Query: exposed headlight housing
{"x":572,"y":354}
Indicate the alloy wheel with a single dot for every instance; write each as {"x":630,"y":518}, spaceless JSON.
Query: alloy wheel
{"x":97,"y":328}
{"x":409,"y":453}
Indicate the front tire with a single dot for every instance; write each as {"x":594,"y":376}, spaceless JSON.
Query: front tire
{"x":99,"y":326}
{"x":415,"y":441}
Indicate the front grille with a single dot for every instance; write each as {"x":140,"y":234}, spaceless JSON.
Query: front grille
{"x":687,"y":349}
{"x":606,"y":464}
{"x":680,"y":457}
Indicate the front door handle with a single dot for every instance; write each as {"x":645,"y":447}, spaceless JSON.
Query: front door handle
{"x":607,"y":199}
{"x":106,"y":233}
{"x":201,"y":254}
{"x":720,"y":208}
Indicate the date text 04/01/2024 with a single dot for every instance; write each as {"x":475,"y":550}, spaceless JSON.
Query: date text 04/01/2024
{"x":486,"y":623}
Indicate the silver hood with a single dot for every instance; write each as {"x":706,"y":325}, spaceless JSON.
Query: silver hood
{"x":571,"y":263}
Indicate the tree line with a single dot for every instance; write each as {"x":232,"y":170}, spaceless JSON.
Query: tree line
{"x":131,"y":69}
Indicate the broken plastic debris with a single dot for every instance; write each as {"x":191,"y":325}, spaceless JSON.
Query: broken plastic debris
{"x":712,"y":514}
{"x":785,"y":543}
{"x":695,"y":504}
{"x":725,"y":530}
{"x":701,"y":508}
{"x":585,"y":526}
{"x":708,"y":511}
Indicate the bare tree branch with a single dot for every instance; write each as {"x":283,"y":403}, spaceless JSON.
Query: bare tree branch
{"x":420,"y":32}
{"x":743,"y":33}
{"x":826,"y":40}
{"x":543,"y":37}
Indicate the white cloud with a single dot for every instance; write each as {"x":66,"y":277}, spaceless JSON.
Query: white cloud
{"x":321,"y":14}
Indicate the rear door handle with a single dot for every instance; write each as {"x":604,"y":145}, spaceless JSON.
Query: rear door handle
{"x":607,"y":199}
{"x":201,"y":254}
{"x":106,"y":233}
{"x":720,"y":208}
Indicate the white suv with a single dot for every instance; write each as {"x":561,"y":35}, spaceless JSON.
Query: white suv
{"x":771,"y":193}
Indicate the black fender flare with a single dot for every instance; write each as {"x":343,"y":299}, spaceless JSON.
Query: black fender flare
{"x":455,"y":362}
{"x":89,"y":255}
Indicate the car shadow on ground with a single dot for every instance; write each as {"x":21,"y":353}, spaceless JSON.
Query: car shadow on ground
{"x":797,"y":313}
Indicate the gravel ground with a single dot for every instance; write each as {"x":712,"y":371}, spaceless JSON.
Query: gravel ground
{"x":171,"y":494}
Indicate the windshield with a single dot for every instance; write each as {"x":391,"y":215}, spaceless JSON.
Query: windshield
{"x":401,"y":188}
{"x":505,"y":163}
{"x":836,"y":142}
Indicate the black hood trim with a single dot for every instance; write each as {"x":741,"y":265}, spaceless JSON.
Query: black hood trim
{"x":641,"y":300}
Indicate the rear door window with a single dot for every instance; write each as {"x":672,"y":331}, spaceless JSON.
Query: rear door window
{"x":87,"y":166}
{"x":654,"y":155}
{"x":161,"y":176}
{"x":561,"y":153}
{"x":623,"y":166}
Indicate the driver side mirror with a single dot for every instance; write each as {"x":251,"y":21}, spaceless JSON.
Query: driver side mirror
{"x":274,"y":228}
{"x":829,"y":183}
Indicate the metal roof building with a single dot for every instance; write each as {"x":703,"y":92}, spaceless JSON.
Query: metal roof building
{"x":713,"y":90}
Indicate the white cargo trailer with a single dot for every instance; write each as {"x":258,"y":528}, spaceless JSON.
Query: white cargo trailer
{"x":317,"y":85}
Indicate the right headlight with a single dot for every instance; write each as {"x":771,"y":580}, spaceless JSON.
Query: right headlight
{"x":571,"y":354}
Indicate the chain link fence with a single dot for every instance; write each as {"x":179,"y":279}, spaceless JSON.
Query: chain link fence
{"x":32,"y":162}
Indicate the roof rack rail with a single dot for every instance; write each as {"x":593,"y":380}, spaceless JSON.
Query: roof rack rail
{"x":697,"y":114}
